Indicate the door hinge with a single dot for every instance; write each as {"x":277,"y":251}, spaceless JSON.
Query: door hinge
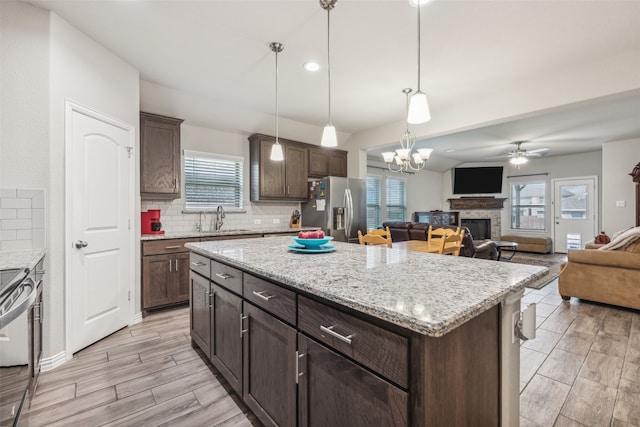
{"x":129,"y":151}
{"x":129,"y":296}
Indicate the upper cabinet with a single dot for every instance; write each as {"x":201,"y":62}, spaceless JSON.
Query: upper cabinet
{"x":277,"y":180}
{"x":160,"y":166}
{"x":327,"y":162}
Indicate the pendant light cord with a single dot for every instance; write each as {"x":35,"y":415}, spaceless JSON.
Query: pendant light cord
{"x":277,"y":110}
{"x":418,"y":7}
{"x":329,"y":58}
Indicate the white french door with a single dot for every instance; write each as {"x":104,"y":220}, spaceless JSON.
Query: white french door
{"x":99,"y":240}
{"x":575,"y":212}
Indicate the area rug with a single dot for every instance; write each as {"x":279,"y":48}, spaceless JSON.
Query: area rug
{"x":552,"y":261}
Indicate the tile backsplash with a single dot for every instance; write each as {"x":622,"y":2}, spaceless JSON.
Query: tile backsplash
{"x":22,"y":219}
{"x":254,"y":216}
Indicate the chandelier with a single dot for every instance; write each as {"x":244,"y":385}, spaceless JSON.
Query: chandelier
{"x":404,"y":158}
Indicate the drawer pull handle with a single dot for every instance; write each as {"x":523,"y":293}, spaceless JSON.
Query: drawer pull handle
{"x":224,"y":276}
{"x":198,"y":264}
{"x":242,"y":319}
{"x":333,"y":333}
{"x":173,"y":247}
{"x":263,"y":296}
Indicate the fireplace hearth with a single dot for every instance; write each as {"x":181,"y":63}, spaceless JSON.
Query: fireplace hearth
{"x":480,"y":228}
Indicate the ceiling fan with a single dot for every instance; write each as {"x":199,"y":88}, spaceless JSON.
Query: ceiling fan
{"x":519,"y":155}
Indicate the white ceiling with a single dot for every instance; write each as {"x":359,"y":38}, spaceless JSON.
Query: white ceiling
{"x":220,"y":49}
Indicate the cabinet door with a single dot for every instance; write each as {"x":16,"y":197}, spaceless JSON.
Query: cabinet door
{"x":159,"y":156}
{"x":338,"y":164}
{"x":334,"y":391}
{"x":226,"y":345}
{"x":157,"y":280}
{"x":269,"y":368}
{"x":296,"y":172}
{"x":272,"y":173}
{"x":200,"y":312}
{"x":181,"y":277}
{"x":318,"y":162}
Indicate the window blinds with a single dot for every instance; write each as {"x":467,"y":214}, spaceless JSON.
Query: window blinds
{"x":373,"y":202}
{"x":396,"y":199}
{"x":211,"y":181}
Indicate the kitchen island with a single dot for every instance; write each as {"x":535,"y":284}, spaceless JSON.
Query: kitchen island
{"x":361,"y":335}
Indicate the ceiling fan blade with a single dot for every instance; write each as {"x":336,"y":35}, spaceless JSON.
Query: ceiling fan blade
{"x":537,"y":150}
{"x":504,"y":156}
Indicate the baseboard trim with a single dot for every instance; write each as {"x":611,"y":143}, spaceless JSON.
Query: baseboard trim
{"x":49,"y":363}
{"x":137,"y":318}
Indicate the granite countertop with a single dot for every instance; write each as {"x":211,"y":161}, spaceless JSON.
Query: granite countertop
{"x":427,"y":293}
{"x":26,"y":259}
{"x":230,"y":232}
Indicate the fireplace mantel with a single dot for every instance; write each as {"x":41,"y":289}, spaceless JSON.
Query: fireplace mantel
{"x":477,"y":203}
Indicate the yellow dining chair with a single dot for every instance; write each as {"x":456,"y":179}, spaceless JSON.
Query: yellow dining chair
{"x":372,"y":238}
{"x":439,"y":238}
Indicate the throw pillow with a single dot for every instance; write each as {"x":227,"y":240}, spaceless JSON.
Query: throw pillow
{"x":623,"y":240}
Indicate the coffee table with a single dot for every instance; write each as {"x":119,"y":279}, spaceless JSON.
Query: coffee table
{"x":508,"y":246}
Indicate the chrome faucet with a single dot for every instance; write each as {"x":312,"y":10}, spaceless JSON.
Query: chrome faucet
{"x":219,"y":217}
{"x":199,"y":224}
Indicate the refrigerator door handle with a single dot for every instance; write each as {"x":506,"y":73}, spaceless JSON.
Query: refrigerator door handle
{"x":348,"y":204}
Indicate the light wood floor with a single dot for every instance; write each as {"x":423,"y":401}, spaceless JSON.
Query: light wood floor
{"x":583,"y":369}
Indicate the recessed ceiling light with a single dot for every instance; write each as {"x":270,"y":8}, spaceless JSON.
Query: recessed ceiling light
{"x":311,"y":66}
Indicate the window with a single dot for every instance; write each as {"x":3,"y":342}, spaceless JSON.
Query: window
{"x":373,"y":202}
{"x":396,"y":199}
{"x":528,"y":205}
{"x":211,"y":180}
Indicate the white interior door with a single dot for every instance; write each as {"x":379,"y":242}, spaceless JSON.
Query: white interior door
{"x":99,"y":197}
{"x":575,"y":213}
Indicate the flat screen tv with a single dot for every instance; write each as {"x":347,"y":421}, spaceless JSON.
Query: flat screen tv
{"x":478,"y":180}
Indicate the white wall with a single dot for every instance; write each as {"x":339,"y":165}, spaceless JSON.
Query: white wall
{"x":618,"y":160}
{"x":44,"y":62}
{"x":577,"y":165}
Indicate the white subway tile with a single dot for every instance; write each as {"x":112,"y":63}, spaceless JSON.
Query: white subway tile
{"x":8,"y":235}
{"x":38,"y":240}
{"x":24,"y":235}
{"x":23,"y":214}
{"x":38,"y":201}
{"x":8,"y":213}
{"x":38,"y":218}
{"x":15,"y":224}
{"x":9,"y":203}
{"x":16,"y":245}
{"x":27,"y":193}
{"x":8,"y":192}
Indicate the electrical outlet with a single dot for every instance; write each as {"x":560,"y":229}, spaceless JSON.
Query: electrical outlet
{"x":620,"y":204}
{"x":257,"y":221}
{"x":276,"y":220}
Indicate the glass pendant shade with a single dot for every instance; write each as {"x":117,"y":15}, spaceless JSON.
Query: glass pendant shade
{"x":329,"y":138}
{"x":276,"y":152}
{"x":388,"y":156}
{"x":518,"y":160}
{"x":418,"y":109}
{"x":425,"y":153}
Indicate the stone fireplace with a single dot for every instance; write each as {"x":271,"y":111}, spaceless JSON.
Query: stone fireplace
{"x":481,"y":210}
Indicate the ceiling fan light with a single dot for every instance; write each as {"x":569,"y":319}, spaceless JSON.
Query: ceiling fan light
{"x":518,"y":160}
{"x":388,"y":156}
{"x":418,"y":109}
{"x":329,"y":138}
{"x":425,"y":153}
{"x":276,"y":152}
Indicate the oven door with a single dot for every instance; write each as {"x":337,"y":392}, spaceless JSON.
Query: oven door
{"x":15,"y":372}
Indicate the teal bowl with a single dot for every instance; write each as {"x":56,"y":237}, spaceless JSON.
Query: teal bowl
{"x":313,"y":243}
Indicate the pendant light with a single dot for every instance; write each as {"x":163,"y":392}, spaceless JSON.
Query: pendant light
{"x":329,"y":138}
{"x":276,"y":149}
{"x":419,"y":107}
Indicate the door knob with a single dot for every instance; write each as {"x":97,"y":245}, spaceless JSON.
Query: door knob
{"x":81,"y":244}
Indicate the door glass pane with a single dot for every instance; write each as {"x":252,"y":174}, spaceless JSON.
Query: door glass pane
{"x":573,"y":202}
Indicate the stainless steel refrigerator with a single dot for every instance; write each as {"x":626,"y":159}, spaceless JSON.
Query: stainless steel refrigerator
{"x":338,"y":206}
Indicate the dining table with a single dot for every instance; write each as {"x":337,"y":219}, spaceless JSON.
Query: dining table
{"x":432,"y":247}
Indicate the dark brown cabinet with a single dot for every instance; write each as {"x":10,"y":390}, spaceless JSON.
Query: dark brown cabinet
{"x":160,"y":163}
{"x":200,"y":312}
{"x":334,"y":391}
{"x":327,"y":162}
{"x":226,"y":340}
{"x":269,"y":367}
{"x":277,"y":180}
{"x":165,"y":273}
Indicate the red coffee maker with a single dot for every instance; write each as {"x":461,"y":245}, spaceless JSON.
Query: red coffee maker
{"x":150,"y":222}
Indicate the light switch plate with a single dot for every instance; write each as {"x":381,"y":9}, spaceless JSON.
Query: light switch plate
{"x":276,"y":221}
{"x":620,"y":203}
